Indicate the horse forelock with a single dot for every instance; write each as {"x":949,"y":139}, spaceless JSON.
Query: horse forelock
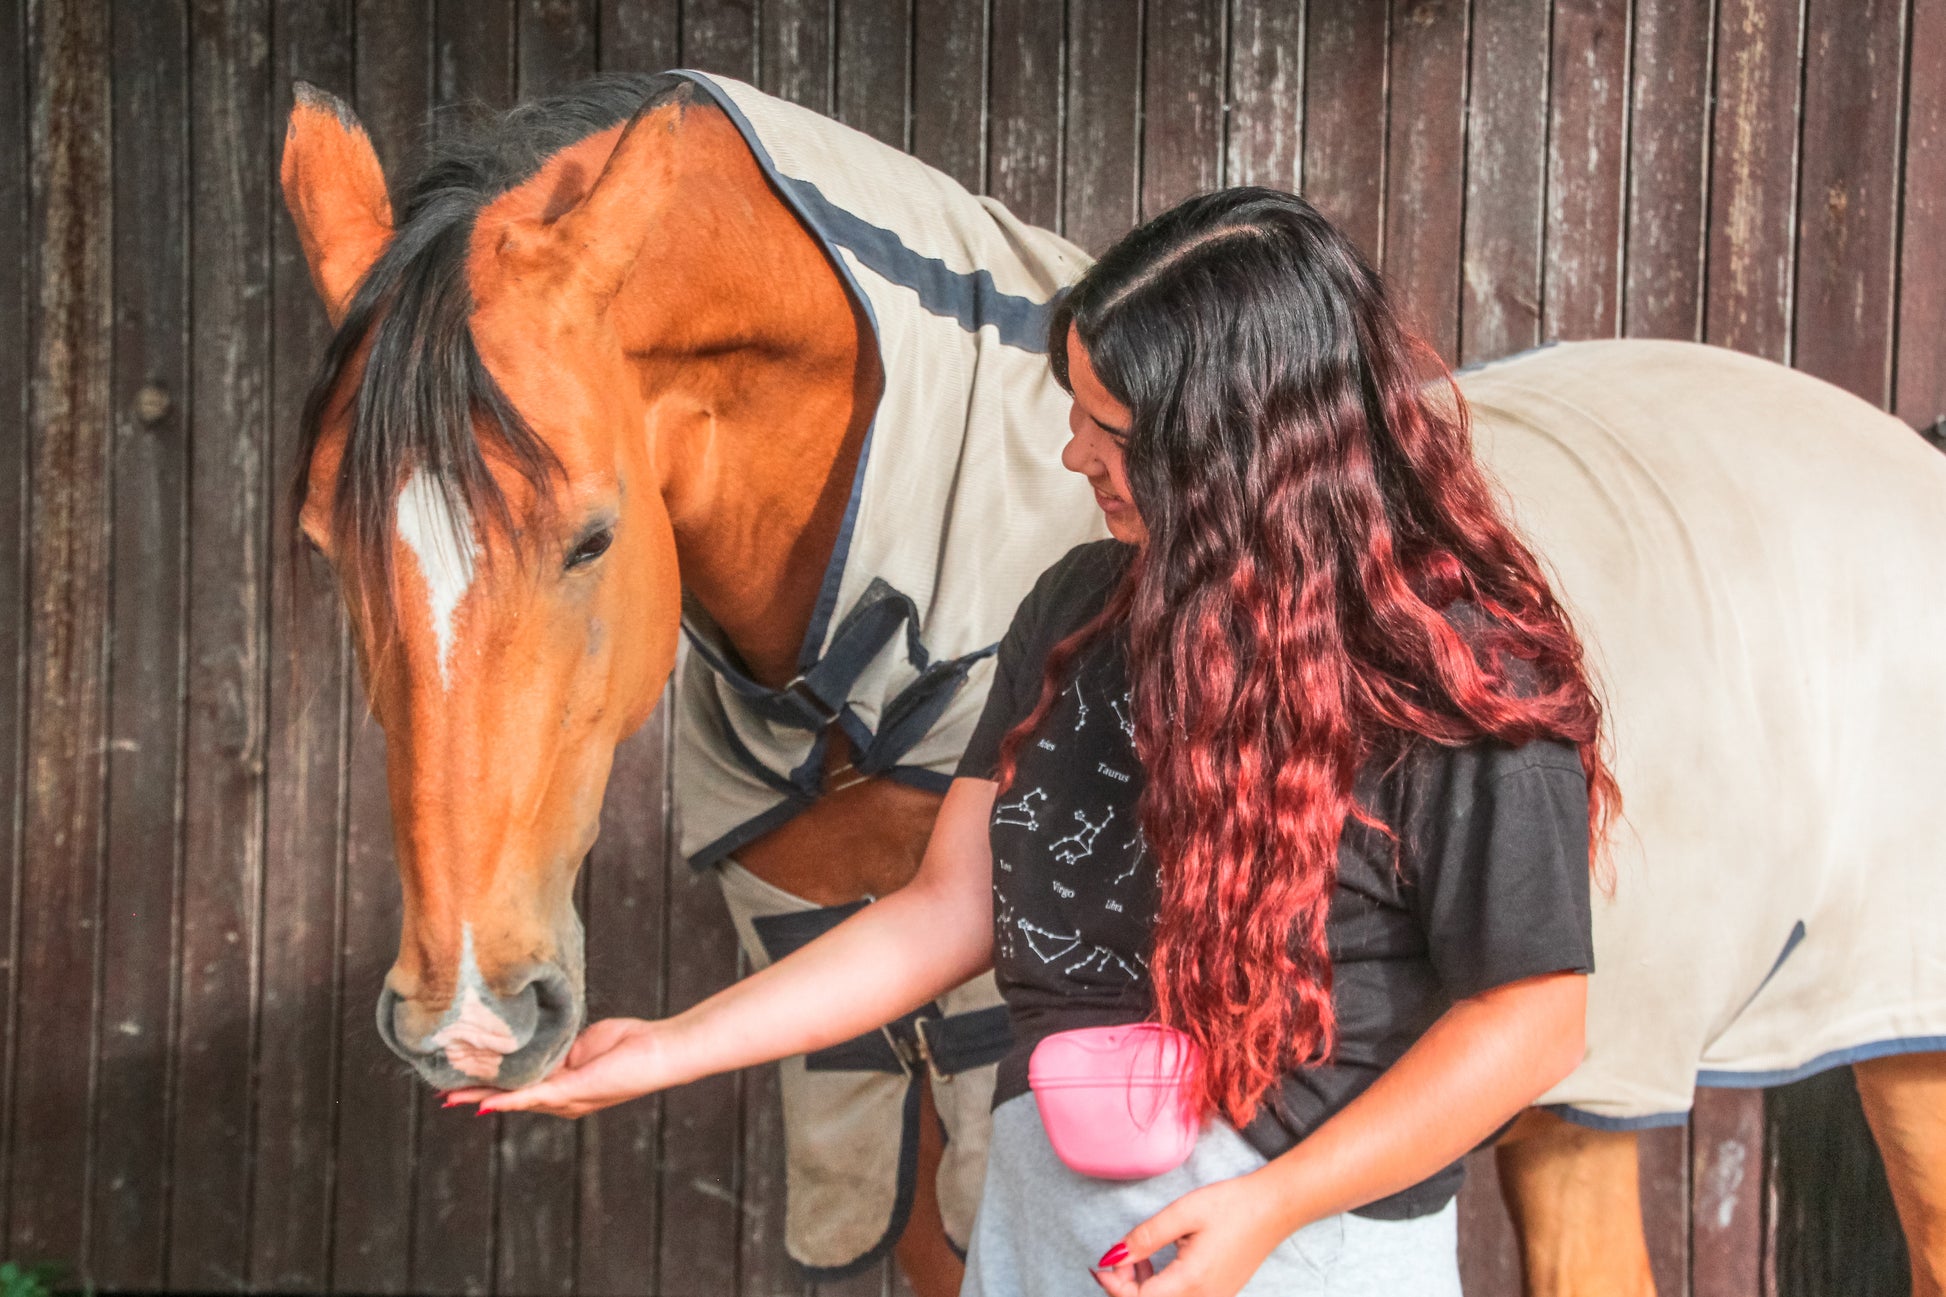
{"x":403,"y":379}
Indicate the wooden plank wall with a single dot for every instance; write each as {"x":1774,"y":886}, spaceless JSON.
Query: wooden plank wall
{"x":199,"y":899}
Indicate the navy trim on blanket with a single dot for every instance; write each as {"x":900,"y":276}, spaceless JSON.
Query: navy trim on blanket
{"x":972,"y":299}
{"x":1711,"y":1079}
{"x":748,"y":759}
{"x":1595,"y":1121}
{"x":931,"y":781}
{"x":807,"y":655}
{"x":748,"y":831}
{"x":908,"y":1181}
{"x":1790,"y":944}
{"x":789,"y":932}
{"x":908,"y":717}
{"x":956,"y":1044}
{"x":1823,"y":1063}
{"x":964,"y":1041}
{"x":950,"y":1044}
{"x":820,"y":695}
{"x":945,"y":1139}
{"x":975,"y":301}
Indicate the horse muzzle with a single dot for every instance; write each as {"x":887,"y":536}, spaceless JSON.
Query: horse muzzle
{"x":484,"y":1038}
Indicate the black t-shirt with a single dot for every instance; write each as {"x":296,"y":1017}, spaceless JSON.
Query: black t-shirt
{"x":1490,"y":883}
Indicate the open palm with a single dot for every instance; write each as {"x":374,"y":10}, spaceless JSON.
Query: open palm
{"x":610,"y":1062}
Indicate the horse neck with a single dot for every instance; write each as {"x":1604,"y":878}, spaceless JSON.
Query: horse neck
{"x":762,"y":378}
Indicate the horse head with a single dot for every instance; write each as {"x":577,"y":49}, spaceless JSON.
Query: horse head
{"x":475,"y":470}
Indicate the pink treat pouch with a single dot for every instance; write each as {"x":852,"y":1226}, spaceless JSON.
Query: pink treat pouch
{"x":1114,"y":1100}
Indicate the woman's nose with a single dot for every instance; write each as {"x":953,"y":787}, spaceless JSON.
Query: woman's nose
{"x":1076,"y":456}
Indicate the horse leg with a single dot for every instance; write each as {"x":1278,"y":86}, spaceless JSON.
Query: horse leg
{"x":1905,"y":1104}
{"x":1575,"y":1198}
{"x":929,"y":1262}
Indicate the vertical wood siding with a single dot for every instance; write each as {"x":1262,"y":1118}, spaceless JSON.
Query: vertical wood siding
{"x":197,"y":890}
{"x":57,"y":947}
{"x":148,"y":558}
{"x":17,"y":318}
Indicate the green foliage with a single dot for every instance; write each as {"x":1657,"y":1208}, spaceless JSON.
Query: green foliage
{"x":41,"y":1280}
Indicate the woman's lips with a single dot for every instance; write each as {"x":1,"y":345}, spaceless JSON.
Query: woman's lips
{"x":1110,"y":503}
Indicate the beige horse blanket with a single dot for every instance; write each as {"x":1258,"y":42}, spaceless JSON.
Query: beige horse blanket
{"x":959,"y":502}
{"x":1757,"y":563}
{"x":1756,"y":560}
{"x":960,"y":499}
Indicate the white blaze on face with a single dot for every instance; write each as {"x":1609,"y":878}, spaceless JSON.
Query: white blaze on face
{"x":474,"y":1038}
{"x":442,"y":542}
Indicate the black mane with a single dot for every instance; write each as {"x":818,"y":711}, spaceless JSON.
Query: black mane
{"x":424,"y":386}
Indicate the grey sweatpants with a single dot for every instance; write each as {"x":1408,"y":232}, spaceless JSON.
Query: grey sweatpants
{"x":1041,"y":1226}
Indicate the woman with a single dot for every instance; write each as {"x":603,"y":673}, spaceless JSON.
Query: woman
{"x":1299,"y":763}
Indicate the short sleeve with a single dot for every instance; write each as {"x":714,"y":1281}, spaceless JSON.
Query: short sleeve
{"x":1502,"y":881}
{"x":1015,"y":687}
{"x":1064,"y":596}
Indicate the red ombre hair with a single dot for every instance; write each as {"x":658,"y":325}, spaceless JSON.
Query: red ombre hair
{"x":1304,"y":469}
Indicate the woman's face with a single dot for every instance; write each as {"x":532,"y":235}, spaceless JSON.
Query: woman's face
{"x":1097,"y":431}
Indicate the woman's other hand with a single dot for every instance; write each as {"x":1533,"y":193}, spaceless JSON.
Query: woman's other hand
{"x":610,"y":1062}
{"x":1485,"y":1059}
{"x":1222,"y":1233}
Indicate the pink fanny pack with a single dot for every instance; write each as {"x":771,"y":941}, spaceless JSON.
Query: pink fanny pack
{"x":1114,"y":1100}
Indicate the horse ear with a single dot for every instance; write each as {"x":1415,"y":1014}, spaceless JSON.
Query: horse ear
{"x":599,"y":238}
{"x":335,"y":191}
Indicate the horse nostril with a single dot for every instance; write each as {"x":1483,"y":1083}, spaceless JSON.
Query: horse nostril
{"x":388,"y":1022}
{"x":521,"y":1011}
{"x":553,"y":995}
{"x":555,"y":1007}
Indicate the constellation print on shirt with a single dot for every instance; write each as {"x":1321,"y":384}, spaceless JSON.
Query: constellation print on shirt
{"x":1124,"y":717}
{"x":1051,"y":946}
{"x":1080,"y":703}
{"x":1021,"y":814}
{"x":1080,"y":843}
{"x":1047,"y":946}
{"x":1100,"y":959}
{"x":1141,"y":847}
{"x":1005,"y":923}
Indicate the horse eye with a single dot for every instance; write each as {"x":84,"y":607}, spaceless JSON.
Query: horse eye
{"x":591,"y":548}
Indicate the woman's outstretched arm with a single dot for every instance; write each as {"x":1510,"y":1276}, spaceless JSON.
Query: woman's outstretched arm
{"x":886,"y":960}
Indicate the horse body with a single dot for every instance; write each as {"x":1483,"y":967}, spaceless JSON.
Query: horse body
{"x":1756,"y":561}
{"x":694,"y":363}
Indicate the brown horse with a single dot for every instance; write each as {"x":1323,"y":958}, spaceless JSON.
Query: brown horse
{"x":593,"y":356}
{"x":657,"y":318}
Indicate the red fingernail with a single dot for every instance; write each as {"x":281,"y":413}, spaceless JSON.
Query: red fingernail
{"x":1113,"y":1256}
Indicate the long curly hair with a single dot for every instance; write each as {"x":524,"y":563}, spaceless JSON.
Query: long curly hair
{"x":1303,"y":466}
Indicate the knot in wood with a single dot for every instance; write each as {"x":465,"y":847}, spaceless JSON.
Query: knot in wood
{"x":151,"y":404}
